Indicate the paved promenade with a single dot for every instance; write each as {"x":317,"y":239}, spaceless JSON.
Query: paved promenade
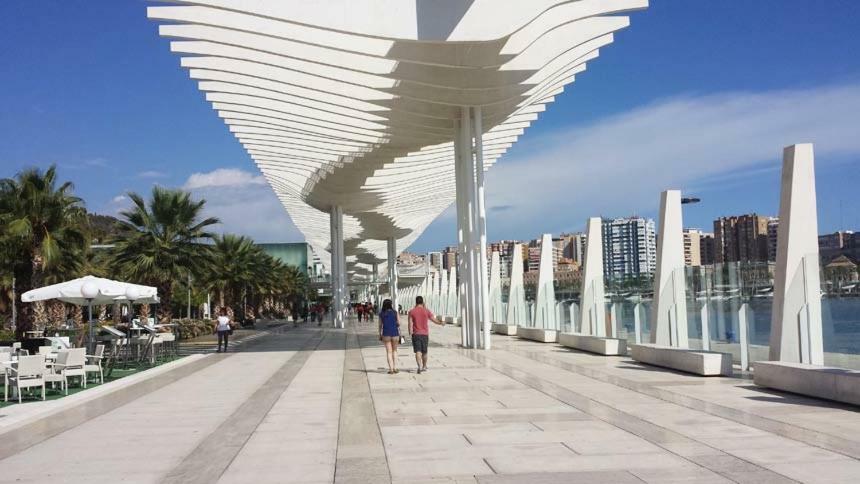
{"x":316,"y":405}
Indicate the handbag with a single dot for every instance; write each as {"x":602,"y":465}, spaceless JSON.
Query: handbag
{"x":402,"y":339}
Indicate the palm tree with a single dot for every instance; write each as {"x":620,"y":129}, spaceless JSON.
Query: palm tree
{"x":42,"y":233}
{"x":241,"y":273}
{"x":163,"y":242}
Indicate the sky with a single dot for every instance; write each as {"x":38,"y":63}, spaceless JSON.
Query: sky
{"x":696,"y":95}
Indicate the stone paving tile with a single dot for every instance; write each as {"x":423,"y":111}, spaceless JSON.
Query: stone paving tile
{"x":610,"y":477}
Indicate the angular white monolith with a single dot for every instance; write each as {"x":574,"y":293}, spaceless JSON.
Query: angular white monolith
{"x":517,"y":295}
{"x":669,"y":310}
{"x":453,"y":299}
{"x":495,"y":293}
{"x":545,"y":298}
{"x":442,"y":291}
{"x":592,"y":307}
{"x":796,"y":330}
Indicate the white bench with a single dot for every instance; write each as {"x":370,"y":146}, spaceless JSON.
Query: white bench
{"x":452,"y":320}
{"x":699,"y":362}
{"x":827,"y":382}
{"x":508,"y":329}
{"x":538,"y":334}
{"x":594,"y":344}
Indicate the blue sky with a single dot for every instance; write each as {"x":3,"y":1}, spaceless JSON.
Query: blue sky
{"x":696,"y":94}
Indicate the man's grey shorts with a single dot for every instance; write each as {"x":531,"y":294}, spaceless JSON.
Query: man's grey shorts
{"x":419,"y":343}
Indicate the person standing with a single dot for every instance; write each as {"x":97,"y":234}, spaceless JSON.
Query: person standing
{"x":223,"y":327}
{"x":389,"y":333}
{"x":419,"y":330}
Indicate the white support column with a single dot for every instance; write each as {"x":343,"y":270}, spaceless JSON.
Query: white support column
{"x":545,"y":298}
{"x":796,"y":328}
{"x":517,"y":295}
{"x":592,"y":307}
{"x":392,"y":271}
{"x":482,"y":292}
{"x":472,"y":261}
{"x":338,"y":269}
{"x":375,"y":284}
{"x":462,"y":234}
{"x":669,"y":310}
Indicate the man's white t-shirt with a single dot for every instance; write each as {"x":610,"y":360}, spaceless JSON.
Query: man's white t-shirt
{"x":223,"y":323}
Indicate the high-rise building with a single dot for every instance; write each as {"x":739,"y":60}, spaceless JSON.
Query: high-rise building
{"x":449,"y":258}
{"x":706,"y":249}
{"x":534,"y":258}
{"x":505,"y":248}
{"x":572,"y":246}
{"x":629,"y":247}
{"x":772,"y":229}
{"x":436,"y":260}
{"x":741,"y":238}
{"x":692,"y":247}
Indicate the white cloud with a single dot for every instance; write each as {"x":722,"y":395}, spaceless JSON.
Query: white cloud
{"x":620,"y":163}
{"x":223,"y":177}
{"x":244,"y":203}
{"x":151,"y":174}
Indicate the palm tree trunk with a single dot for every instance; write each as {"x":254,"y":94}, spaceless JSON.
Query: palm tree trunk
{"x":165,"y":307}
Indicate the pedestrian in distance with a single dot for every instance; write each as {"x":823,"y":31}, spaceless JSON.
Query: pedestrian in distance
{"x":389,"y":333}
{"x":419,"y":331}
{"x":223,"y":327}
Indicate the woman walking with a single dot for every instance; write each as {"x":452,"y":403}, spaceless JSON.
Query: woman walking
{"x":223,"y":326}
{"x":389,"y":333}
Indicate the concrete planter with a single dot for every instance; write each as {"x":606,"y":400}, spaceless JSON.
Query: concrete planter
{"x":538,"y":334}
{"x":594,"y":344}
{"x":837,"y":384}
{"x":704,"y":363}
{"x":508,"y":329}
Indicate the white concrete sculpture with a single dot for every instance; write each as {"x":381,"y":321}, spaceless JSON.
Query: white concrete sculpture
{"x":496,"y":315}
{"x":373,"y":109}
{"x":796,"y":333}
{"x":443,"y":293}
{"x":545,"y":299}
{"x":592,"y":304}
{"x":669,"y":310}
{"x":517,"y":294}
{"x":453,"y":311}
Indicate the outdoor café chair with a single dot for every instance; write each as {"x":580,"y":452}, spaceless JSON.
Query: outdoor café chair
{"x":53,"y":375}
{"x":45,"y":350}
{"x":94,"y":363}
{"x":74,"y":365}
{"x":5,"y":362}
{"x":29,"y":373}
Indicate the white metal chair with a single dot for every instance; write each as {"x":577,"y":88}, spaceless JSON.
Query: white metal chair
{"x":45,"y":350}
{"x":29,"y":373}
{"x":74,"y":365}
{"x":55,"y":375}
{"x":94,"y":363}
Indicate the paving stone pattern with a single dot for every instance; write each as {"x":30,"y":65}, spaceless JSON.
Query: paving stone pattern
{"x":315,"y":405}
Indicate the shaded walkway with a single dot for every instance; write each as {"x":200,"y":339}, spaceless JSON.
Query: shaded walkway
{"x":316,"y":405}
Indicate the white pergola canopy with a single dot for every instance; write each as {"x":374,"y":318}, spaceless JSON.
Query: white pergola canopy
{"x":93,"y":290}
{"x":354,"y":103}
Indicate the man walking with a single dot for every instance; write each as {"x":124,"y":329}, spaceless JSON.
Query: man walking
{"x":419,"y":330}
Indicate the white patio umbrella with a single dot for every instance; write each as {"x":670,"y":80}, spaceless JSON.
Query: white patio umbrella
{"x":89,"y":290}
